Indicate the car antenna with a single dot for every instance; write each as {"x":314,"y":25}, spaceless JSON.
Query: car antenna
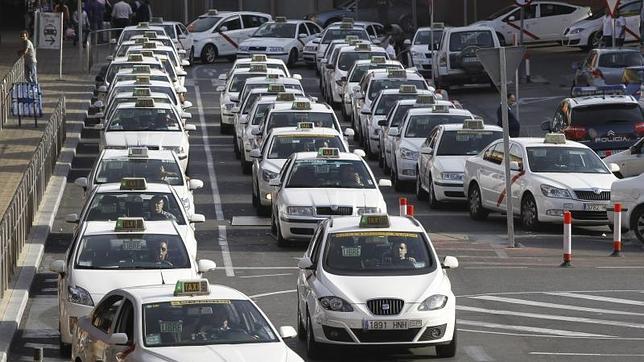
{"x":162,"y":279}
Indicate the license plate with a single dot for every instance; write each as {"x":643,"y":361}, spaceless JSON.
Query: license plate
{"x":392,"y":324}
{"x":594,"y":207}
{"x":470,"y":60}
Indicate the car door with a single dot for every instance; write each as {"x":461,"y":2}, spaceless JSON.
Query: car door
{"x":123,"y":323}
{"x":102,"y":326}
{"x":554,"y":19}
{"x":184,"y":39}
{"x":425,"y":160}
{"x":250,"y":23}
{"x":583,"y":76}
{"x":490,"y":175}
{"x":229,"y":32}
{"x":302,"y":37}
{"x":519,"y":183}
{"x":308,"y":278}
{"x":511,"y":25}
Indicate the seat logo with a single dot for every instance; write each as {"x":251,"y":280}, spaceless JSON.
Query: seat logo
{"x":385,"y":306}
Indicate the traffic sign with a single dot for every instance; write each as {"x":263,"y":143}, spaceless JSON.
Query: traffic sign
{"x":522,"y":2}
{"x":612,"y":6}
{"x":490,"y":58}
{"x":50,"y":32}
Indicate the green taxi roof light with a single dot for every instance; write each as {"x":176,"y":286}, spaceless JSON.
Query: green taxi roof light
{"x":273,"y":76}
{"x":147,"y":53}
{"x":346,"y":25}
{"x":257,"y":68}
{"x":407,"y":88}
{"x":363,"y":46}
{"x":301,"y":105}
{"x":425,"y":99}
{"x":150,"y":34}
{"x":285,"y":97}
{"x":280,"y":19}
{"x":191,"y":287}
{"x":142,"y":79}
{"x":141,"y":92}
{"x":143,"y":24}
{"x":329,"y":152}
{"x":347,"y":19}
{"x":137,"y":152}
{"x":140,"y":41}
{"x":305,"y":125}
{"x":145,"y":102}
{"x":141,"y":69}
{"x":258,"y":58}
{"x":378,"y":59}
{"x":374,"y":221}
{"x":133,"y":183}
{"x":555,"y":138}
{"x":476,"y":123}
{"x":129,"y":224}
{"x":349,"y":38}
{"x":150,"y":45}
{"x":441,"y":109}
{"x":276,"y":88}
{"x":135,"y":58}
{"x":213,"y":12}
{"x":396,"y":73}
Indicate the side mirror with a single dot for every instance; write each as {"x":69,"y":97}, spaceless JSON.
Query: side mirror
{"x":190,"y":127}
{"x":305,"y":263}
{"x":365,"y":109}
{"x":186,"y":115}
{"x":349,"y":132}
{"x":449,"y":262}
{"x":512,"y":18}
{"x":109,"y":58}
{"x":394,"y":132}
{"x":356,"y":89}
{"x":186,"y":104}
{"x":58,"y":266}
{"x":426,"y":150}
{"x":302,"y":35}
{"x":614,"y":168}
{"x":243,"y":119}
{"x":185,"y":63}
{"x":383,"y":123}
{"x":545,"y":126}
{"x":182,"y":36}
{"x":275,"y":182}
{"x":383,"y":182}
{"x":195,"y":184}
{"x":181,"y":51}
{"x":181,"y":89}
{"x":118,"y":339}
{"x":407,"y":42}
{"x":234,"y":98}
{"x":197,"y":219}
{"x":287,"y":332}
{"x":296,"y":76}
{"x":330,"y":66}
{"x":255,"y":153}
{"x":223,"y":28}
{"x":235,"y":110}
{"x":220,"y":88}
{"x":72,"y":218}
{"x":360,"y":153}
{"x":82,"y":182}
{"x":256,"y":132}
{"x":205,"y":265}
{"x":223,"y":76}
{"x":102,"y":89}
{"x":99,"y":126}
{"x":514,"y":166}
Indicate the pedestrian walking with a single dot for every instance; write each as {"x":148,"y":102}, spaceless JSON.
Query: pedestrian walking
{"x":607,"y":30}
{"x":28,"y":53}
{"x":84,"y":21}
{"x":121,"y":14}
{"x":513,"y":123}
{"x":61,"y":7}
{"x":142,"y":12}
{"x":620,"y":29}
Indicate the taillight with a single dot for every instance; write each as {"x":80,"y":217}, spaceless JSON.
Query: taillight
{"x":596,"y":73}
{"x":639,"y":128}
{"x":575,"y":133}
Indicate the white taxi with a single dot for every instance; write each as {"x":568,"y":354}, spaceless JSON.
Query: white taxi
{"x":107,"y":255}
{"x":339,"y":31}
{"x":160,"y":50}
{"x":144,"y":81}
{"x":149,"y":124}
{"x":549,"y":176}
{"x":587,"y":32}
{"x":155,"y":166}
{"x":139,"y":29}
{"x":421,"y":54}
{"x":375,"y":280}
{"x":310,"y":49}
{"x":413,"y":130}
{"x":218,"y":33}
{"x":629,"y":192}
{"x":187,"y":321}
{"x":127,"y":62}
{"x":441,"y":163}
{"x":316,"y":185}
{"x":271,"y":63}
{"x":177,"y":32}
{"x":282,"y":39}
{"x":279,"y":146}
{"x":155,"y":75}
{"x":631,"y":161}
{"x":159,"y":94}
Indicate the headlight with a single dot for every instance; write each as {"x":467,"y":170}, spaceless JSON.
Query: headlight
{"x":576,"y":31}
{"x":79,"y":295}
{"x":229,"y":106}
{"x":275,"y":49}
{"x":335,"y":304}
{"x":408,"y":154}
{"x":368,"y":210}
{"x":452,"y":176}
{"x":268,"y":175}
{"x":300,"y":210}
{"x":551,"y":191}
{"x":436,"y":301}
{"x":243,"y":48}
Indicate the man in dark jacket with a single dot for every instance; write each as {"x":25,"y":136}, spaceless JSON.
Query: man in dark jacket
{"x":513,"y":122}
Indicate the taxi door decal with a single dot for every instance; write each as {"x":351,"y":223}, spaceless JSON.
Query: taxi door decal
{"x":629,"y":31}
{"x":228,"y":39}
{"x":512,"y":181}
{"x":533,"y":36}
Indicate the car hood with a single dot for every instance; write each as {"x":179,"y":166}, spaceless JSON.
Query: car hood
{"x":617,"y":157}
{"x":111,"y":279}
{"x":265,"y":42}
{"x":450,"y":163}
{"x":276,"y":351}
{"x":138,"y":138}
{"x":577,"y":181}
{"x":340,"y":197}
{"x":274,"y":165}
{"x":412,"y":143}
{"x":586,"y":23}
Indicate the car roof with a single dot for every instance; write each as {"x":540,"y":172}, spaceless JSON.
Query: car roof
{"x":116,"y":187}
{"x":226,"y":13}
{"x":150,"y":26}
{"x":286,"y":131}
{"x":397,"y":223}
{"x":314,"y":155}
{"x":353,"y":48}
{"x":261,"y":80}
{"x":156,"y":105}
{"x":419,"y":111}
{"x":272,"y":98}
{"x":165,"y":293}
{"x":250,"y":60}
{"x":315,"y":107}
{"x":539,"y":141}
{"x":124,"y":59}
{"x":459,"y":126}
{"x":368,"y":61}
{"x":164,"y":227}
{"x":600,"y":99}
{"x":154,"y":71}
{"x":133,"y":82}
{"x":259,"y":74}
{"x":111,"y":153}
{"x":397,"y":90}
{"x":153,"y":95}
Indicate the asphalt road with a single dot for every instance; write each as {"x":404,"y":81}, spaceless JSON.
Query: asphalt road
{"x":512,"y":304}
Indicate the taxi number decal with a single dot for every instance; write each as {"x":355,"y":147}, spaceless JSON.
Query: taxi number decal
{"x":171,"y":326}
{"x":351,"y":251}
{"x":133,"y":244}
{"x":201,"y":301}
{"x":377,"y":234}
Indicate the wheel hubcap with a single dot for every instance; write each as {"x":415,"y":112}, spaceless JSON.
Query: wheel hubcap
{"x":474,"y":201}
{"x":528,"y":213}
{"x":640,"y":224}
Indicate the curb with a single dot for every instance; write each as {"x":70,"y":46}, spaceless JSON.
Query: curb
{"x":15,"y":301}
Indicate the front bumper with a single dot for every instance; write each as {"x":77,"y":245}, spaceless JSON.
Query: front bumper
{"x":406,"y":169}
{"x":626,"y":215}
{"x":298,"y":227}
{"x":448,"y":190}
{"x":575,"y":40}
{"x":551,"y":210}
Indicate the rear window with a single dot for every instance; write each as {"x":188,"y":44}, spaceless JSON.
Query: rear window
{"x":600,"y":114}
{"x":463,"y":39}
{"x":203,"y":24}
{"x":620,"y":60}
{"x":348,"y":58}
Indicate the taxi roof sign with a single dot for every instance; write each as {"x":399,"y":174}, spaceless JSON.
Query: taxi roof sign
{"x":141,"y":92}
{"x":396,"y":73}
{"x":349,"y":38}
{"x":305,"y":125}
{"x":285,"y":97}
{"x":273,"y":76}
{"x":129,"y":224}
{"x":276,"y":88}
{"x":156,"y":19}
{"x":143,"y":24}
{"x":133,"y":183}
{"x":258,"y":58}
{"x":346,"y":25}
{"x":137,"y":152}
{"x":280,"y":19}
{"x":141,"y":41}
{"x":135,"y":58}
{"x":257,"y":68}
{"x":301,"y":105}
{"x":328,"y":152}
{"x":555,"y":138}
{"x":374,"y":221}
{"x":213,"y":12}
{"x":441,"y":108}
{"x":347,"y":19}
{"x":150,"y":34}
{"x":144,"y":102}
{"x":191,"y":287}
{"x":141,"y":69}
{"x":363,"y":46}
{"x":425,"y":99}
{"x":378,"y":59}
{"x":150,"y":45}
{"x":147,"y":53}
{"x":476,"y":123}
{"x":407,"y":88}
{"x":142,"y":79}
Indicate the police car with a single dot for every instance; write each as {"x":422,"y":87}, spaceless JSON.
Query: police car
{"x":283,"y":39}
{"x":218,"y":33}
{"x":549,"y":176}
{"x":441,"y":162}
{"x":421,"y":54}
{"x":139,"y":29}
{"x":155,"y":166}
{"x":317,"y":185}
{"x":375,"y":280}
{"x":411,"y":134}
{"x":602,"y":118}
{"x":126,"y":252}
{"x":629,"y":192}
{"x":280,"y":144}
{"x":186,"y":320}
{"x":146,"y":123}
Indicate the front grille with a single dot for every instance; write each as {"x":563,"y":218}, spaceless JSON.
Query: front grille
{"x":341,"y":210}
{"x":454,"y":194}
{"x":336,"y":334}
{"x":591,"y":195}
{"x":302,"y":231}
{"x":589,"y":215}
{"x":435,"y":332}
{"x":399,"y":335}
{"x":385,"y":306}
{"x":257,"y":48}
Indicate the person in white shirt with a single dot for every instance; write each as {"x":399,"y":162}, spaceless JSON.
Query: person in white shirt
{"x":121,"y":13}
{"x":84,"y":22}
{"x":620,"y":29}
{"x":390,"y":49}
{"x":607,"y":30}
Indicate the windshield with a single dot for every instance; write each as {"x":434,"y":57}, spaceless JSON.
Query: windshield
{"x":606,"y":115}
{"x":424,"y":37}
{"x":114,"y":102}
{"x":565,"y":160}
{"x":151,"y":206}
{"x":239,"y":79}
{"x":128,"y":34}
{"x":329,"y":173}
{"x":114,"y":68}
{"x":195,"y":322}
{"x":462,"y":39}
{"x":419,"y":126}
{"x":358,"y":72}
{"x":620,"y":59}
{"x":291,"y":119}
{"x":144,"y":119}
{"x":248,"y":87}
{"x":132,"y":251}
{"x":153,"y":89}
{"x":260,"y":113}
{"x":281,"y":66}
{"x":346,"y":60}
{"x":283,"y":147}
{"x":393,"y":83}
{"x":389,"y":100}
{"x":378,"y":253}
{"x":333,"y":34}
{"x":203,"y":23}
{"x":275,"y":30}
{"x":465,"y":142}
{"x":153,"y":170}
{"x":399,"y":115}
{"x":250,"y":101}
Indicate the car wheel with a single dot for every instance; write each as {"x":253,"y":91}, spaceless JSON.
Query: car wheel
{"x":431,"y":195}
{"x":208,"y":54}
{"x":312,"y":347}
{"x":281,"y":242}
{"x":594,"y":41}
{"x":475,"y":206}
{"x":638,"y":224}
{"x":301,"y":330}
{"x":421,"y":194}
{"x":447,"y":350}
{"x":529,"y":213}
{"x":292,"y":57}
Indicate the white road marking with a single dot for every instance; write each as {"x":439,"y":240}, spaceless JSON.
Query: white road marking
{"x":477,"y":353}
{"x":600,"y":298}
{"x":555,"y":291}
{"x":273,"y":293}
{"x":556,"y":332}
{"x":523,"y":335}
{"x":496,"y":267}
{"x":535,"y":303}
{"x":587,"y":354}
{"x":619,"y":267}
{"x":550,"y":317}
{"x":216,"y":198}
{"x":264,"y":275}
{"x":250,"y":221}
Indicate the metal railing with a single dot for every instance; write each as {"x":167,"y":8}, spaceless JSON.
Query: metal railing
{"x":100,"y":46}
{"x":21,"y":212}
{"x":16,"y":74}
